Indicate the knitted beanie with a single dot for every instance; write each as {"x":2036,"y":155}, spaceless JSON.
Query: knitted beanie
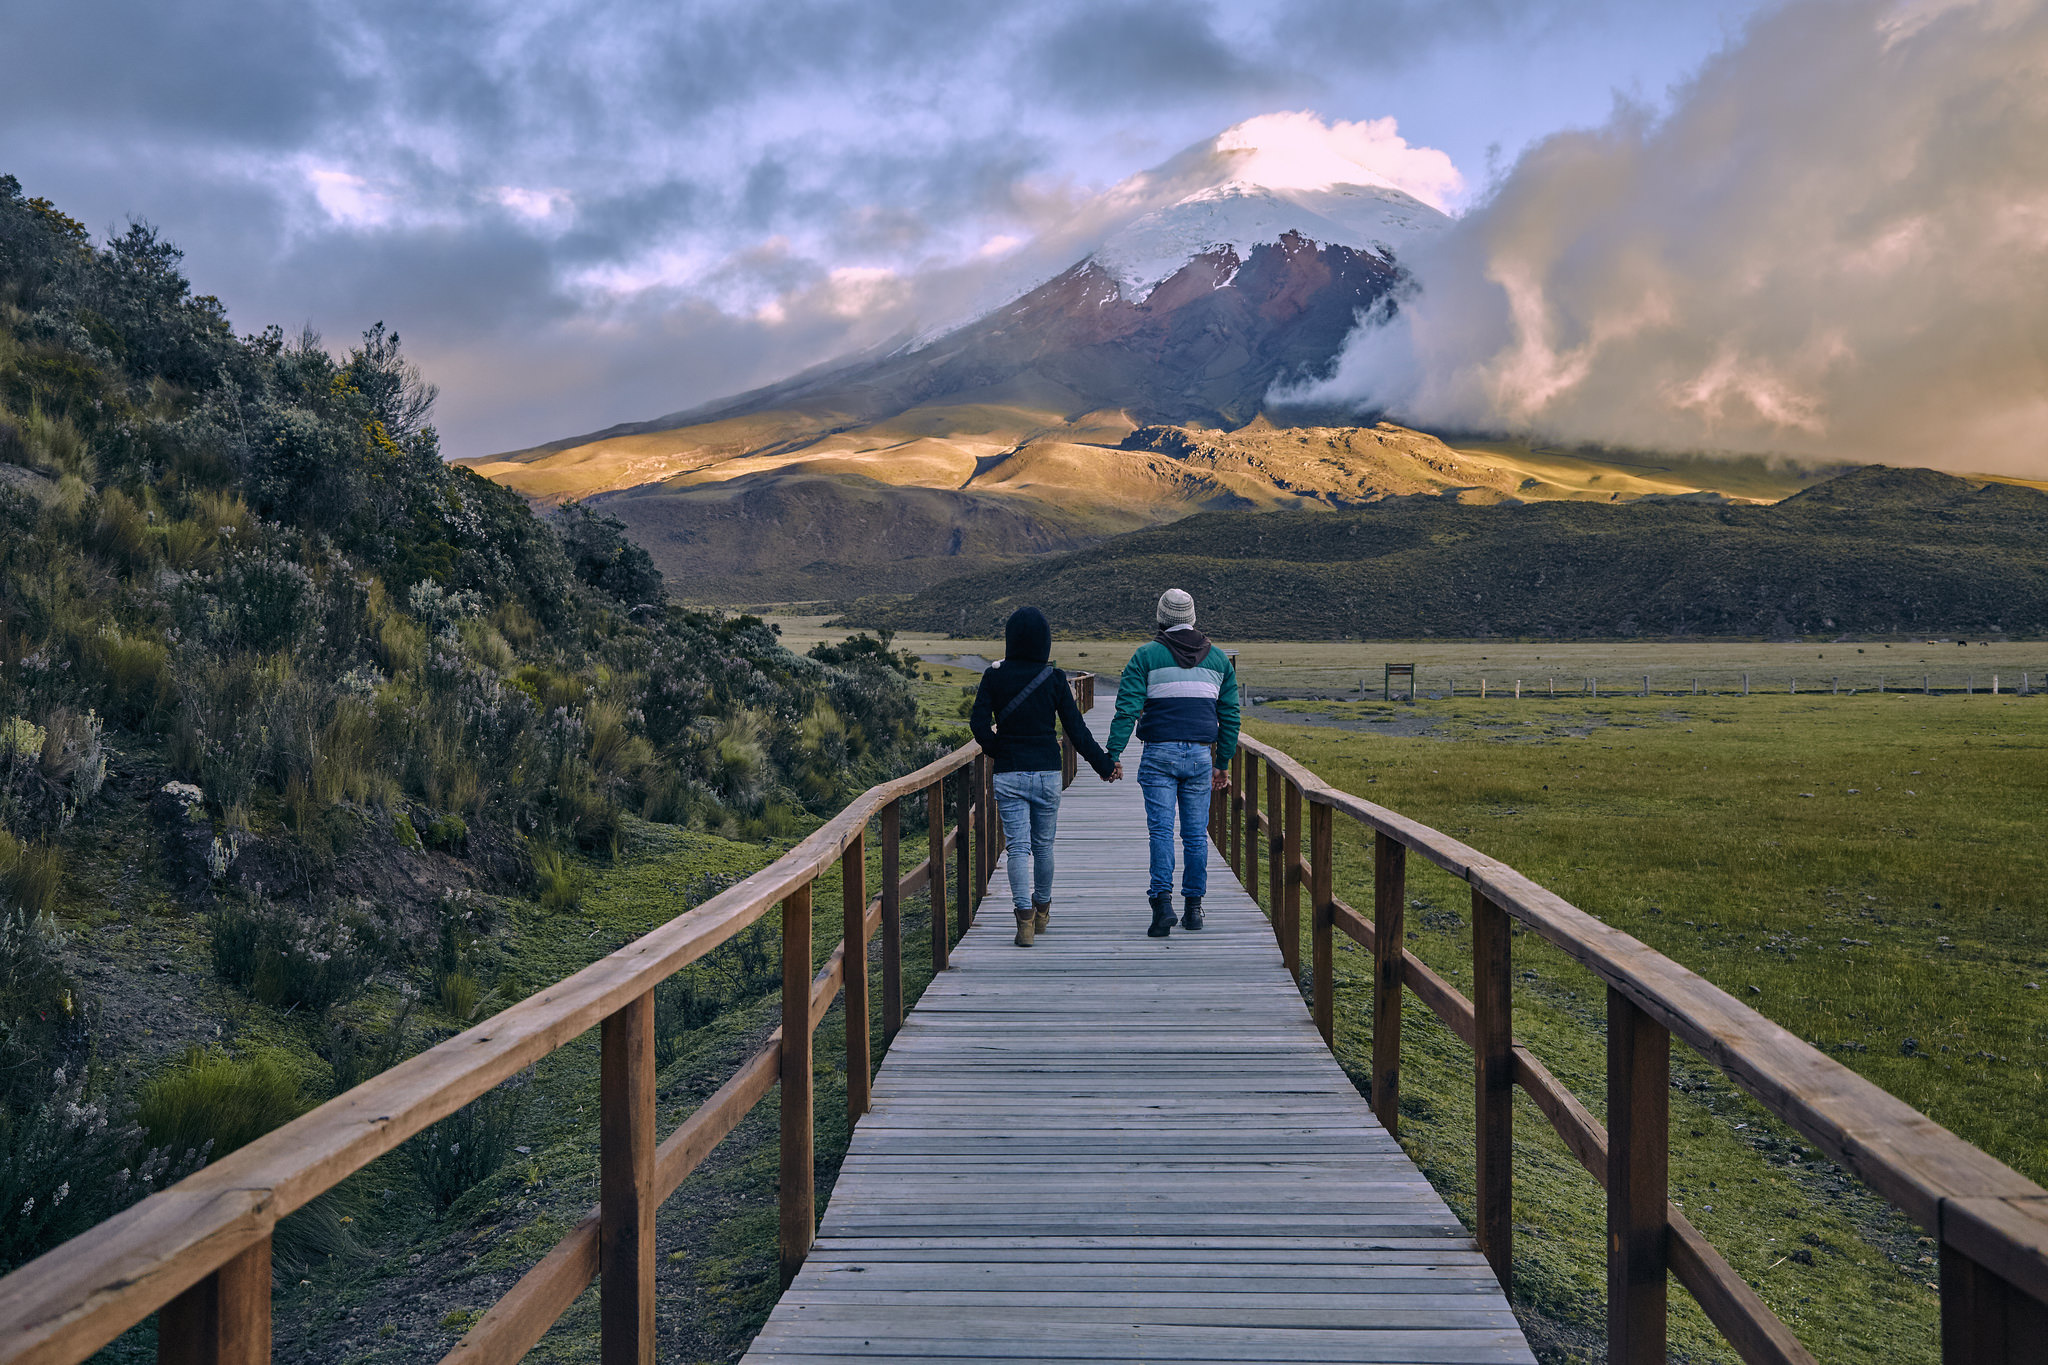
{"x":1176,"y":608}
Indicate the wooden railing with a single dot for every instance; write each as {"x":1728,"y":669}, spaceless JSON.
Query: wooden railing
{"x":198,"y":1254}
{"x":1990,"y":1221}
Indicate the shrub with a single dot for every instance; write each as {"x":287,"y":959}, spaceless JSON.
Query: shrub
{"x":48,"y":772}
{"x":681,"y":1003}
{"x":408,"y":837}
{"x":460,"y":995}
{"x":464,"y":1149}
{"x":211,"y":1102}
{"x":447,"y":832}
{"x":134,"y":671}
{"x":38,"y":1026}
{"x":355,"y":1055}
{"x":288,"y":959}
{"x":67,"y":1163}
{"x":30,"y":875}
{"x":560,"y":881}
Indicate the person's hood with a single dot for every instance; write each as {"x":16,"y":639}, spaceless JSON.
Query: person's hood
{"x":1188,"y":646}
{"x":1027,"y":637}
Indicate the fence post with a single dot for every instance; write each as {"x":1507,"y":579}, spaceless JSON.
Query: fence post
{"x":1276,"y":852}
{"x":1251,"y":826}
{"x":963,"y":850}
{"x":1638,"y":1155}
{"x":625,"y":1143}
{"x":991,"y":828}
{"x":1233,"y":804}
{"x":892,"y":921}
{"x":1494,"y":1082}
{"x":1322,"y":923}
{"x":224,"y":1319}
{"x":935,"y":866}
{"x":853,"y":899}
{"x":799,"y":1221}
{"x":1985,"y":1319}
{"x":1290,"y":936}
{"x":1389,"y":937}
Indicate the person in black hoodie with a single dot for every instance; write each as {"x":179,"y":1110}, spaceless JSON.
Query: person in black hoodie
{"x":1013,"y":721}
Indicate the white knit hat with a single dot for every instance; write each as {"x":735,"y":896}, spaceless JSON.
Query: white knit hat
{"x":1176,"y":608}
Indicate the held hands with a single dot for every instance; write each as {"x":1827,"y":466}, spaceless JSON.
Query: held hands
{"x":1116,"y":772}
{"x":1219,"y":779}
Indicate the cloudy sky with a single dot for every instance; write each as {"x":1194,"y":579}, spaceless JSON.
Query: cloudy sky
{"x":579,"y":212}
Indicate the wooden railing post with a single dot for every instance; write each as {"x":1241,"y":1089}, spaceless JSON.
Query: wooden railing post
{"x":935,"y":867}
{"x":1322,"y":921}
{"x":892,"y":920}
{"x":1389,"y":937}
{"x":626,"y":1201}
{"x":1276,"y":850}
{"x":1638,"y":1155}
{"x":963,"y":851}
{"x":1250,"y":800}
{"x":1985,"y":1318}
{"x":1494,"y":1080}
{"x":222,"y":1320}
{"x":1290,"y":936}
{"x":797,"y":1199}
{"x":853,"y":877}
{"x":1233,"y":803}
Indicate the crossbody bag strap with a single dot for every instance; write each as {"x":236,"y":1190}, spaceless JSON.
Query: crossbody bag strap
{"x":1029,"y":688}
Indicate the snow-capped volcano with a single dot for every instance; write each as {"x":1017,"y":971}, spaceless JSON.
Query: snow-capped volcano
{"x":1241,"y":215}
{"x":1358,"y":186}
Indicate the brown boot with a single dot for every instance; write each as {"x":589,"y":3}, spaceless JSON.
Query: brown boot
{"x":1023,"y":931}
{"x":1041,"y":912}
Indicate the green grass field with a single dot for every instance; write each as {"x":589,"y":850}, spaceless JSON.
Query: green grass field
{"x":1866,"y":871}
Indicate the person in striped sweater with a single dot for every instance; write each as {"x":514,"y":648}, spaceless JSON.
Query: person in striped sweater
{"x":1179,"y":694}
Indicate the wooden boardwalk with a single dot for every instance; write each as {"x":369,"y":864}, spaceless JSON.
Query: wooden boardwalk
{"x":1111,"y":1147}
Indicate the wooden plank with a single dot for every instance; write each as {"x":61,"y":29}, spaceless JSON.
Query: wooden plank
{"x":892,"y":923}
{"x":222,"y":1320}
{"x":1322,"y":922}
{"x":795,"y":1198}
{"x":935,"y":808}
{"x":1493,"y":1073}
{"x":1390,"y":937}
{"x":1638,"y":1140}
{"x":627,"y":1201}
{"x":853,"y":897}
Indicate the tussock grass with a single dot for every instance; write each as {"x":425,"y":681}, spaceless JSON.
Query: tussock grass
{"x":1864,"y":871}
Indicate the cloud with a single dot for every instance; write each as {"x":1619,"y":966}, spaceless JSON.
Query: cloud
{"x":1835,"y":244}
{"x":691,"y":194}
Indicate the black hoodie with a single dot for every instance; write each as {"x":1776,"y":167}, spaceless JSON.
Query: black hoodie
{"x":1027,"y":741}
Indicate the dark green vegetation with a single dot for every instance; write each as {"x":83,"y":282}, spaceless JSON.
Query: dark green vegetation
{"x":1865,"y":871}
{"x":311,"y":747}
{"x":1875,"y":550}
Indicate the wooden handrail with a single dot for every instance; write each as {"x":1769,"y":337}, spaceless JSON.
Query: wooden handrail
{"x":200,"y":1249}
{"x":1991,"y":1222}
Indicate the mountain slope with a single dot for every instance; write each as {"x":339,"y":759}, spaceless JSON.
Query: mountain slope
{"x":1875,"y":550}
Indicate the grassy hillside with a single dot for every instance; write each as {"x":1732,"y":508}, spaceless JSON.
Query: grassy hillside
{"x":306,"y":738}
{"x":1874,"y":550}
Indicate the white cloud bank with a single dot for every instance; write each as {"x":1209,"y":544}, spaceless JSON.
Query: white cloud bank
{"x":1836,"y":244}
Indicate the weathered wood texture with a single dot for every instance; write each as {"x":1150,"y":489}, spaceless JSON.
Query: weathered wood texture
{"x":1111,"y":1147}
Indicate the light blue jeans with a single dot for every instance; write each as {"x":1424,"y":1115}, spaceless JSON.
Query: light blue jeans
{"x":1029,"y":806}
{"x":1176,"y":776}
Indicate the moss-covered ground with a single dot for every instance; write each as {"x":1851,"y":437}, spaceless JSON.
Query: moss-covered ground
{"x":1865,"y":871}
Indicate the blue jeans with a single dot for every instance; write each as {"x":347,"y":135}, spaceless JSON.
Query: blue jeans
{"x":1177,"y":776}
{"x":1029,"y":806}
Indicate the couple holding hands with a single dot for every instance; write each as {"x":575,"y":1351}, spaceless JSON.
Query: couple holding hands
{"x":1179,"y":695}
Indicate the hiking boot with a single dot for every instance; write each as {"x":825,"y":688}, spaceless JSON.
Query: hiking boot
{"x":1024,"y":930}
{"x":1041,"y":912}
{"x":1162,"y":917}
{"x":1192,"y":919}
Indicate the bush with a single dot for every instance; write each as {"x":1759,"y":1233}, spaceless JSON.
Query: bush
{"x":30,"y":875}
{"x":448,"y":832}
{"x":210,"y":1102}
{"x":288,"y":959}
{"x":681,"y":1003}
{"x":560,"y":881}
{"x":355,"y":1055}
{"x":464,"y":1149}
{"x":66,"y":1163}
{"x":39,"y":1031}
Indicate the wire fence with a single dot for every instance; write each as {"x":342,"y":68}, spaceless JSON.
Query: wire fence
{"x":1438,"y":686}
